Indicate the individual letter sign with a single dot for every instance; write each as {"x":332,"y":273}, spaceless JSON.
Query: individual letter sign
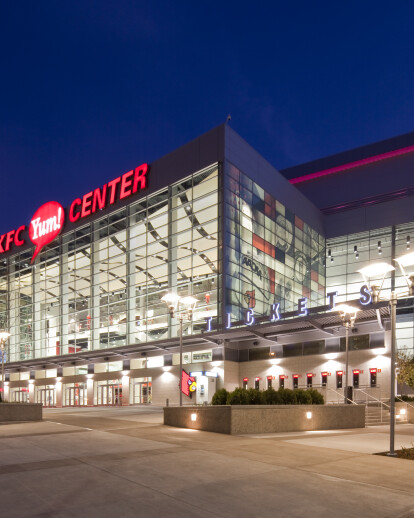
{"x":46,"y":224}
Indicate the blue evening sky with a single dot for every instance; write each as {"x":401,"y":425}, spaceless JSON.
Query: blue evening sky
{"x":91,"y":88}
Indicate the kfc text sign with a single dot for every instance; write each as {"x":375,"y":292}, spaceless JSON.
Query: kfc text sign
{"x":46,"y":224}
{"x":48,"y":220}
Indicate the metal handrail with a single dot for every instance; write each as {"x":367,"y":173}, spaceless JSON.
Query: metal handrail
{"x":374,"y":398}
{"x":342,"y":396}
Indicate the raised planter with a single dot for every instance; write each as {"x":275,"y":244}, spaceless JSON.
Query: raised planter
{"x":20,"y":412}
{"x":245,"y":419}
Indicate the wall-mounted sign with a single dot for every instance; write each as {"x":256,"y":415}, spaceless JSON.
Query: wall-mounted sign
{"x":48,"y":221}
{"x":365,"y":298}
{"x":46,"y":224}
{"x":188,"y":384}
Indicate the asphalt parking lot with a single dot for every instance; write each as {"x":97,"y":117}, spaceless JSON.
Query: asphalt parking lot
{"x":105,"y":462}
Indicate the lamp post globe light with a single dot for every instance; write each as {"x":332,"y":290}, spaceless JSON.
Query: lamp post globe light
{"x":4,"y":336}
{"x":348,"y":316}
{"x":174,"y":303}
{"x":371,"y":274}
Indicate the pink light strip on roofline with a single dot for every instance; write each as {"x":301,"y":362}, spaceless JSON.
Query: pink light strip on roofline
{"x":352,"y":165}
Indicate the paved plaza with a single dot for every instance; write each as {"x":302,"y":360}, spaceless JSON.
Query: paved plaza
{"x":106,"y":462}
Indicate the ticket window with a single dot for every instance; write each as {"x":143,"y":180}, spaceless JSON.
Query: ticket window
{"x":355,"y":378}
{"x":324,"y":379}
{"x":281,"y":381}
{"x":257,"y":383}
{"x":373,"y":377}
{"x":269,"y":382}
{"x":245,"y":383}
{"x":339,"y":376}
{"x":295,"y":381}
{"x":309,"y":378}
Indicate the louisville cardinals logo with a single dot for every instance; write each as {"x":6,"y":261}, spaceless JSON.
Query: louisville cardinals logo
{"x":250,"y":298}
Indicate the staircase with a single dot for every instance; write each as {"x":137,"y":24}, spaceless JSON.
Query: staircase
{"x":375,"y":415}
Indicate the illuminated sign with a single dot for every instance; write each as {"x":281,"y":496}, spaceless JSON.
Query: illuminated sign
{"x":46,"y":224}
{"x":373,"y":371}
{"x":302,"y":311}
{"x":188,"y":384}
{"x":49,"y":219}
{"x":118,"y":189}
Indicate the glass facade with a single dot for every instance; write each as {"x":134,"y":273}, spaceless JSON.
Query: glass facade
{"x":100,"y":286}
{"x":348,"y":254}
{"x":272,"y":256}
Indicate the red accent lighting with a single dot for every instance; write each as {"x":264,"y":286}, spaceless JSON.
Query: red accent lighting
{"x":356,"y":371}
{"x":352,"y":165}
{"x":340,"y":373}
{"x":245,"y":379}
{"x":374,"y":371}
{"x":296,"y":375}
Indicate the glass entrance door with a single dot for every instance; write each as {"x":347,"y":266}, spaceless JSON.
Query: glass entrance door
{"x":142,"y":393}
{"x":109,"y":395}
{"x":21,"y":396}
{"x":76,"y":396}
{"x":46,"y":396}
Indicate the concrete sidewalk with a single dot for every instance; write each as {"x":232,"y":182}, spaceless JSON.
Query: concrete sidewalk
{"x":116,"y":462}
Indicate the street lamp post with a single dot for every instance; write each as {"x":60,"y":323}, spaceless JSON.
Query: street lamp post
{"x":4,"y":335}
{"x":174,"y":302}
{"x":348,"y":316}
{"x":375,"y":271}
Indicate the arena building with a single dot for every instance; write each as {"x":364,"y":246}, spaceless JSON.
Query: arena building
{"x":267,"y":254}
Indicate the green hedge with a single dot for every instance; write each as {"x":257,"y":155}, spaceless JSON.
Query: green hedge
{"x":283,"y":396}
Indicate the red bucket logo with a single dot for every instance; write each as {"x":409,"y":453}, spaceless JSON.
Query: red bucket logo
{"x":46,"y":224}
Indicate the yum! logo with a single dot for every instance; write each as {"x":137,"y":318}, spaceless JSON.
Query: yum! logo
{"x":46,"y":224}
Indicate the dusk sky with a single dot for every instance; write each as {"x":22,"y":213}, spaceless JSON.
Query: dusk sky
{"x":90,"y":89}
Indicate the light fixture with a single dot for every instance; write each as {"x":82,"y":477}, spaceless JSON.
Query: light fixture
{"x":375,"y":271}
{"x":408,"y":242}
{"x":193,"y":417}
{"x":348,"y":316}
{"x":308,"y":415}
{"x":171,"y":299}
{"x":406,"y":264}
{"x":173,"y":302}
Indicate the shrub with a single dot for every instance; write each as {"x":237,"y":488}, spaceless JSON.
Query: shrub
{"x":271,"y":397}
{"x":238,"y":397}
{"x":255,"y":397}
{"x":303,"y":397}
{"x":287,"y":396}
{"x":220,"y":397}
{"x":316,"y":397}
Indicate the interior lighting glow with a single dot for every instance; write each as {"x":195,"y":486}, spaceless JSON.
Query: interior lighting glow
{"x":403,"y":411}
{"x":193,"y":417}
{"x":308,"y":415}
{"x":376,"y":270}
